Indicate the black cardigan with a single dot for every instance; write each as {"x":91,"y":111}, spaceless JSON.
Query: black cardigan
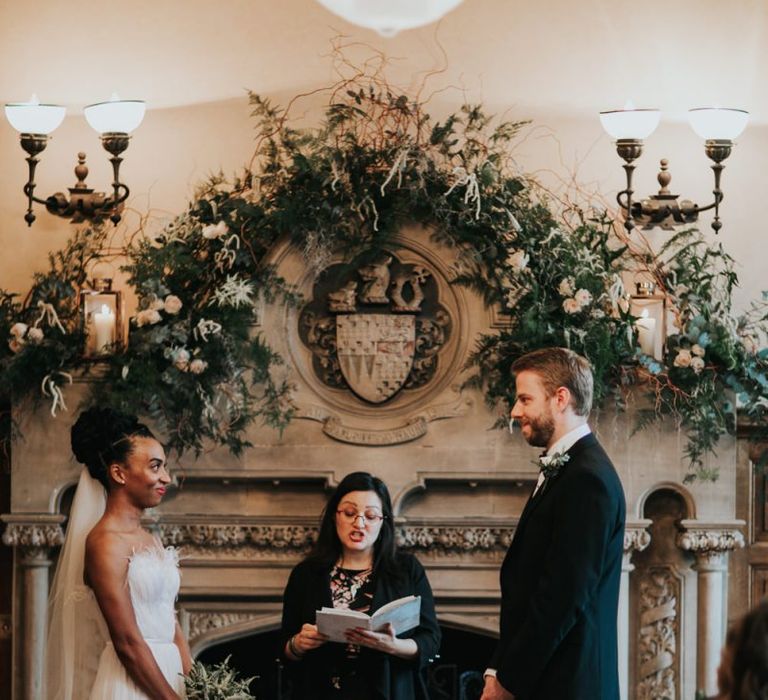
{"x":391,"y":678}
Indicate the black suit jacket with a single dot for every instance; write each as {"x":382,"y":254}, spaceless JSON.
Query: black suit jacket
{"x":560,"y":585}
{"x":389,"y":677}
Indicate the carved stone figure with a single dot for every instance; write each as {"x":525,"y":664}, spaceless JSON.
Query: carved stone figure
{"x":414,"y":278}
{"x":376,"y":278}
{"x":344,"y":299}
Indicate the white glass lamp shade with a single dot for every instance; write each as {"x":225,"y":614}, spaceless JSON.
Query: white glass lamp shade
{"x":716,"y":123}
{"x":33,"y":118}
{"x":115,"y":116}
{"x":630,"y":123}
{"x":388,"y":17}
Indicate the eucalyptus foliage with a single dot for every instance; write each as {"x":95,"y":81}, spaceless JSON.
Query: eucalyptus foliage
{"x":218,"y":682}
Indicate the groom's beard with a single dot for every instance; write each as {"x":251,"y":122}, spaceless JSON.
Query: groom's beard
{"x":540,"y":429}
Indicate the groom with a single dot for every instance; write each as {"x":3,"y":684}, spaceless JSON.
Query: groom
{"x":560,"y":577}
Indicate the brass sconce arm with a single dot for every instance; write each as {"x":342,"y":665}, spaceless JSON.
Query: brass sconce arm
{"x":82,"y":203}
{"x":665,"y":209}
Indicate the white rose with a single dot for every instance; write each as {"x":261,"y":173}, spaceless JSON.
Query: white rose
{"x":15,"y":344}
{"x":212,"y":231}
{"x":698,"y":350}
{"x":683,"y":358}
{"x":156,"y":304}
{"x":571,"y":306}
{"x":181,"y":359}
{"x":35,"y":335}
{"x":566,"y":287}
{"x":18,"y":330}
{"x":148,"y":317}
{"x":198,"y":366}
{"x":697,"y":364}
{"x":583,"y":297}
{"x":172,"y":304}
{"x":518,"y":260}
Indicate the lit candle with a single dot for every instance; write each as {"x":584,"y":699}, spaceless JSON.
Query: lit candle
{"x":103,"y":329}
{"x":646,"y":333}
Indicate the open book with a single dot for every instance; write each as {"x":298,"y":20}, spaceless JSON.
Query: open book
{"x":402,"y":613}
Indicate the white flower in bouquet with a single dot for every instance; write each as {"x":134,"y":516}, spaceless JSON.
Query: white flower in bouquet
{"x":566,"y":287}
{"x":35,"y":335}
{"x":148,"y":317}
{"x":518,"y":260}
{"x":213,"y":231}
{"x":583,"y":297}
{"x":698,"y":350}
{"x":683,"y":358}
{"x":172,"y":304}
{"x":198,"y":366}
{"x":180,"y":358}
{"x":18,"y":330}
{"x":597,"y":313}
{"x":571,"y":306}
{"x":16,"y":344}
{"x":697,"y":364}
{"x":156,"y":304}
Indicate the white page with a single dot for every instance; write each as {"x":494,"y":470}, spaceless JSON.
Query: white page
{"x":403,"y":613}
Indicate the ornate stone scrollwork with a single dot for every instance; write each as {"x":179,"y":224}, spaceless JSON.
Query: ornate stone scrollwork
{"x":201,"y":623}
{"x":279,"y":538}
{"x":30,"y":535}
{"x":659,"y":630}
{"x":710,"y":545}
{"x":636,"y":539}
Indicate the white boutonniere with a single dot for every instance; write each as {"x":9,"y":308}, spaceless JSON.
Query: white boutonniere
{"x":550,"y":465}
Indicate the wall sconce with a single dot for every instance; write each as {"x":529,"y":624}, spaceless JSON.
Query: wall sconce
{"x":101,"y":314}
{"x":114,"y":120}
{"x":629,"y":126}
{"x":651,"y":324}
{"x":389,"y":18}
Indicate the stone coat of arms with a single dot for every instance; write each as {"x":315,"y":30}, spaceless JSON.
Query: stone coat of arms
{"x":377,"y":330}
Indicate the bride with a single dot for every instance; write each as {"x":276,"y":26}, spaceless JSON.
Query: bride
{"x":113,"y":633}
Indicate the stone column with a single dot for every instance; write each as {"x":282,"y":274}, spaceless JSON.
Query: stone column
{"x":636,"y":539}
{"x":33,"y":535}
{"x":710,"y":543}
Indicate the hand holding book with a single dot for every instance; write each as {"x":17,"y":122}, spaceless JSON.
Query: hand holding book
{"x":402,"y":614}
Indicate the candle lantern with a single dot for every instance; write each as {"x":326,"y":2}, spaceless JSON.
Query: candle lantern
{"x":101,"y":309}
{"x":651,"y":325}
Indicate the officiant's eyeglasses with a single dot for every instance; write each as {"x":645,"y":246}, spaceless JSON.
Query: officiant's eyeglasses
{"x":370,"y":517}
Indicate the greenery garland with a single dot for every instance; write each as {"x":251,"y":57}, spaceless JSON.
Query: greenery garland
{"x":194,"y":364}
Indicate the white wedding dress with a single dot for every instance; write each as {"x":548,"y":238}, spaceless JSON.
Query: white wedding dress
{"x":81,"y":663}
{"x":153,"y":581}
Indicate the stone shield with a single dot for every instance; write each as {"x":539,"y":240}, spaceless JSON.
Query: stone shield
{"x":375,"y":353}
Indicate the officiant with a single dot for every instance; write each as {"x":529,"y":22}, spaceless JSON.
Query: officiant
{"x":355,"y":564}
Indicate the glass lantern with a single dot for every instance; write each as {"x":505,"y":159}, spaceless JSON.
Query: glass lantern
{"x":101,"y":309}
{"x":651,"y":325}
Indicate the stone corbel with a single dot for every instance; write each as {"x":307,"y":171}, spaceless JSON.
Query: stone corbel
{"x":710,"y":542}
{"x":33,"y":533}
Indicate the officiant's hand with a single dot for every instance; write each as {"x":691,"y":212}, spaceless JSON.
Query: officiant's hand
{"x":306,"y":639}
{"x":384,"y":641}
{"x":494,"y":690}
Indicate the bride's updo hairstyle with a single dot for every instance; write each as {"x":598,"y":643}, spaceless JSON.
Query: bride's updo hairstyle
{"x":103,"y":436}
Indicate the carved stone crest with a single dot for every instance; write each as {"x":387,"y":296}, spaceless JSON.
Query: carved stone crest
{"x":377,"y":329}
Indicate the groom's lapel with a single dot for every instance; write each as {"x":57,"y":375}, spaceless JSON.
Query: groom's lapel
{"x":546,"y":487}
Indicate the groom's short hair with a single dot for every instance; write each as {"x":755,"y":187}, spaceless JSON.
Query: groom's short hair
{"x":561,"y":367}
